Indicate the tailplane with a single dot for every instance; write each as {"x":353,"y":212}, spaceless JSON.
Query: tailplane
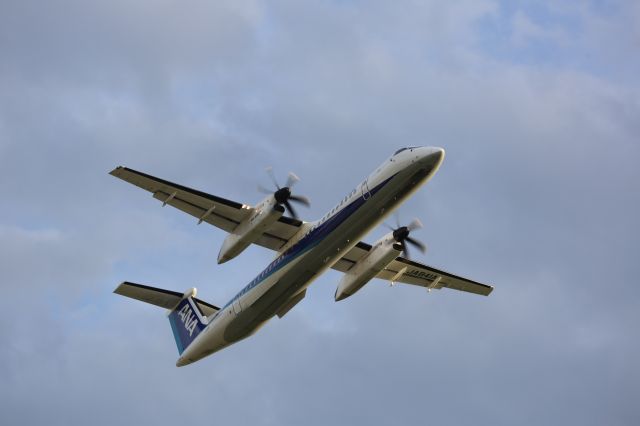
{"x":188,"y":316}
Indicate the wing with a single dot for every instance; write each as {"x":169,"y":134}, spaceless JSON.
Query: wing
{"x":160,"y":297}
{"x":216,"y":211}
{"x":406,"y":271}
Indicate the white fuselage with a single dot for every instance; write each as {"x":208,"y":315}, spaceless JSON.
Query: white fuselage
{"x":316,"y":247}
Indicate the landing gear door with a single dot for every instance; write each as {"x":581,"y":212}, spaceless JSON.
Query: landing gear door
{"x":365,"y":189}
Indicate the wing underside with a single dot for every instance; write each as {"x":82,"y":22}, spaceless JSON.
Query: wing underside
{"x":217,"y":211}
{"x":406,"y":271}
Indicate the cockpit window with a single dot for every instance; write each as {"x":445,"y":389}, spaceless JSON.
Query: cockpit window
{"x":403,"y":149}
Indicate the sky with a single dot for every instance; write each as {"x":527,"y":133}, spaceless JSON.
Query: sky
{"x":537,"y":104}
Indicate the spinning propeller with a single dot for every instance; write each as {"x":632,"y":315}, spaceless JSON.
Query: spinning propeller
{"x":283,"y":195}
{"x":401,"y":235}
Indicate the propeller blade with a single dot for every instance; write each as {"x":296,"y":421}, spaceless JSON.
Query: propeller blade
{"x":415,"y":224}
{"x":289,"y":207}
{"x":389,"y":227}
{"x":396,"y":216}
{"x":264,"y":190}
{"x":283,"y":194}
{"x":401,"y":235}
{"x":292,"y":179}
{"x":405,"y":249}
{"x":417,"y":244}
{"x":272,"y":176}
{"x":300,"y":199}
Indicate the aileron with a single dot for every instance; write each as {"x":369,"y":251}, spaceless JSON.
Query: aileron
{"x":154,"y":184}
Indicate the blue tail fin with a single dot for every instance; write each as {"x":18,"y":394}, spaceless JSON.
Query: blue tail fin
{"x":186,"y":322}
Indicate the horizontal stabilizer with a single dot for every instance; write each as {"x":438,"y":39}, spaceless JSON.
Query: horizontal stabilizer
{"x":164,"y":298}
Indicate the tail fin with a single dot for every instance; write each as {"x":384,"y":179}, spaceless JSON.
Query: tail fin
{"x":186,"y":316}
{"x":186,"y":322}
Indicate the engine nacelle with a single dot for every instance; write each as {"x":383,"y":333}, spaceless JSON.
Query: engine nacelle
{"x":250,"y":229}
{"x":383,"y":252}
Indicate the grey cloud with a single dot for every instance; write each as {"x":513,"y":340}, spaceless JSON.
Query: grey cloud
{"x":537,"y":195}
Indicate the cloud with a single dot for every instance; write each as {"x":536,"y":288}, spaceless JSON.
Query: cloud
{"x":524,"y":30}
{"x":537,"y":195}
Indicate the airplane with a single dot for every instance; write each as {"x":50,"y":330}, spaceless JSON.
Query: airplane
{"x":304,"y":250}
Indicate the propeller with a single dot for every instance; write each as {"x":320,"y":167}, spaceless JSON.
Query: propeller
{"x":283,"y":195}
{"x":401,"y":235}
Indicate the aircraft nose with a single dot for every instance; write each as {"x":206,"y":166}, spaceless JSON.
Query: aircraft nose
{"x":433,"y":156}
{"x":437,"y":153}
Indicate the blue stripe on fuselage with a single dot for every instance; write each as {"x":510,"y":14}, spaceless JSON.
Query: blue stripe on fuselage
{"x":308,"y":242}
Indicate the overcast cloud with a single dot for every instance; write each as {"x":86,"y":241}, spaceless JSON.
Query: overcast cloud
{"x":537,"y":104}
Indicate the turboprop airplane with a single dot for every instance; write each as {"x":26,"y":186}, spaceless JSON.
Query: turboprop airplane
{"x":304,"y":250}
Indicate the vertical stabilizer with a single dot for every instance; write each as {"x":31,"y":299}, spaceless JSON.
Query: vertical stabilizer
{"x":187,"y":322}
